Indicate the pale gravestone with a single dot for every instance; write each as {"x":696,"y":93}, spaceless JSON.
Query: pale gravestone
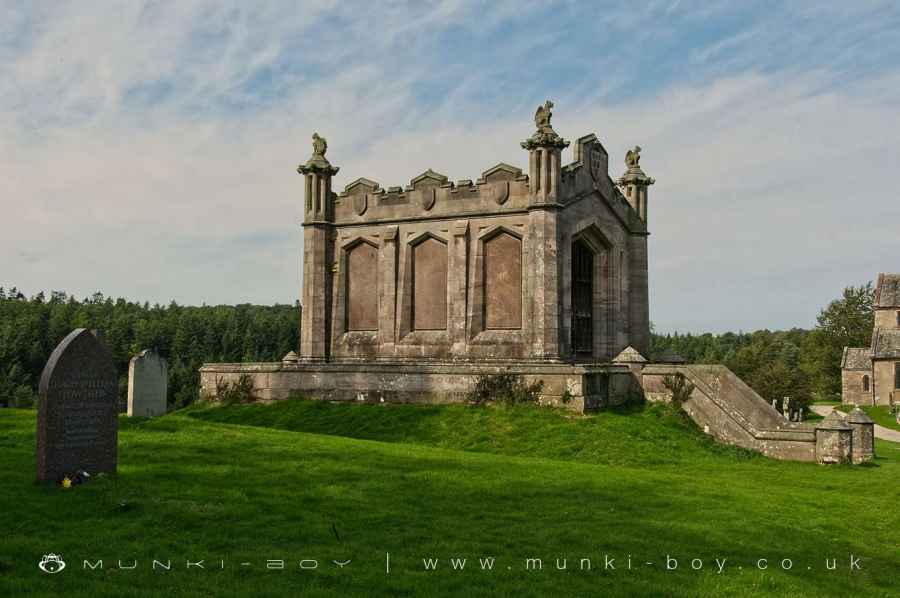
{"x":77,"y":410}
{"x":148,"y":377}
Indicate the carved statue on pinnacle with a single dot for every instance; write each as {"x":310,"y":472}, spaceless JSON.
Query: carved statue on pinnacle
{"x":545,"y":136}
{"x":542,"y":117}
{"x":318,"y":162}
{"x":320,"y":146}
{"x":634,"y":175}
{"x":633,"y":157}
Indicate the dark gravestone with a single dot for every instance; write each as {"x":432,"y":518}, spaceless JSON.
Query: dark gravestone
{"x":77,"y":410}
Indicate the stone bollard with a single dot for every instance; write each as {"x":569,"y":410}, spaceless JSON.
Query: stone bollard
{"x":833,"y":440}
{"x":863,"y":443}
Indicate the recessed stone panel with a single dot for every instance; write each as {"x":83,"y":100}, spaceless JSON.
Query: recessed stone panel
{"x":429,"y":286}
{"x":503,"y":282}
{"x":362,"y":292}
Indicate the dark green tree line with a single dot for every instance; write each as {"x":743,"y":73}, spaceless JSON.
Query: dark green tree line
{"x":802,"y":364}
{"x":187,"y":337}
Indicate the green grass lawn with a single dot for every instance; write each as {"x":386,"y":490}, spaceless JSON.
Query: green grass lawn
{"x":335,"y":482}
{"x":881,"y":415}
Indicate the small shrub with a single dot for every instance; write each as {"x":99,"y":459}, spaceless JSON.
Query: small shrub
{"x":231,"y":393}
{"x":505,"y":389}
{"x":680,"y":387}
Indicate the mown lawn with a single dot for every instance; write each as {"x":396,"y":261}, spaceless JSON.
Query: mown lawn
{"x":442,"y":482}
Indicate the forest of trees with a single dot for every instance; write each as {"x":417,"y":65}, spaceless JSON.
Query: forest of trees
{"x":30,"y":328}
{"x":802,"y":364}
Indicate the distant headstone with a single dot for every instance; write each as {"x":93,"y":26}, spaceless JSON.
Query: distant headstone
{"x":148,"y":377}
{"x":77,"y":410}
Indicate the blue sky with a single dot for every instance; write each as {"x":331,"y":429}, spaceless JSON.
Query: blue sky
{"x":148,"y":148}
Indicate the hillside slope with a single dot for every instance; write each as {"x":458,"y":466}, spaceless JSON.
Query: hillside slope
{"x":189,"y":489}
{"x":634,"y":435}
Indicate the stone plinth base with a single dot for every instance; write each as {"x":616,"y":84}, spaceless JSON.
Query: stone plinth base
{"x":577,"y":387}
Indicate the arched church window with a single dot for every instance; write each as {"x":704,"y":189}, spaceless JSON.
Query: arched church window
{"x":429,"y":285}
{"x":865,"y":382}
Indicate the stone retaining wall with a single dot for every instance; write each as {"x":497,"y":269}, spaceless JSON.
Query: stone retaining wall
{"x":586,"y":387}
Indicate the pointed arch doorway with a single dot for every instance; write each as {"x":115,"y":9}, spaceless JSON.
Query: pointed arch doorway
{"x":582,"y":299}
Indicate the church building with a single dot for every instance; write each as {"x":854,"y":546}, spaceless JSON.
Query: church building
{"x":871,"y":375}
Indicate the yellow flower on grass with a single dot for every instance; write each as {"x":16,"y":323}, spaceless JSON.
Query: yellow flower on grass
{"x":66,"y":483}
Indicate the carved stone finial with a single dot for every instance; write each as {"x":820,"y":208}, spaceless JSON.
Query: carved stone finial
{"x":318,"y":162}
{"x":545,"y":136}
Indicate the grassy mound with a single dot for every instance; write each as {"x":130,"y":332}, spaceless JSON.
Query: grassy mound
{"x":193,"y":488}
{"x":632,"y":435}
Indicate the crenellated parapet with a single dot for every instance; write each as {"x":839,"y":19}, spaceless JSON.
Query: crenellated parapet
{"x":500,"y":189}
{"x":432,"y":194}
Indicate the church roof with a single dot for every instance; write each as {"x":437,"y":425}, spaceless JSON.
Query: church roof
{"x":886,"y":344}
{"x":856,"y":358}
{"x":887,"y":291}
{"x":629,"y":355}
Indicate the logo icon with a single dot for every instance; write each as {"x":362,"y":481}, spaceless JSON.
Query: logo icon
{"x":51,"y":563}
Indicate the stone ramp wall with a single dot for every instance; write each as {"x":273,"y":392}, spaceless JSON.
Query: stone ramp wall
{"x":730,"y":411}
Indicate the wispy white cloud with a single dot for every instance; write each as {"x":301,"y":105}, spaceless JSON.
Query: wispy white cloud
{"x":149,"y":150}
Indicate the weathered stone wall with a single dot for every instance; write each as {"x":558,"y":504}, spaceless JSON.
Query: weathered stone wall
{"x":887,"y":318}
{"x":727,"y":409}
{"x":587,"y":388}
{"x":596,"y":225}
{"x":852,"y":390}
{"x":883,"y":382}
{"x":833,"y":446}
{"x":432,"y":283}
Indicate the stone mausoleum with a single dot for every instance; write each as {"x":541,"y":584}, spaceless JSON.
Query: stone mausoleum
{"x":871,"y":375}
{"x":410,"y":293}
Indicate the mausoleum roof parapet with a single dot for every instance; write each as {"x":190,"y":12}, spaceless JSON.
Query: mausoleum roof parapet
{"x":432,"y":178}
